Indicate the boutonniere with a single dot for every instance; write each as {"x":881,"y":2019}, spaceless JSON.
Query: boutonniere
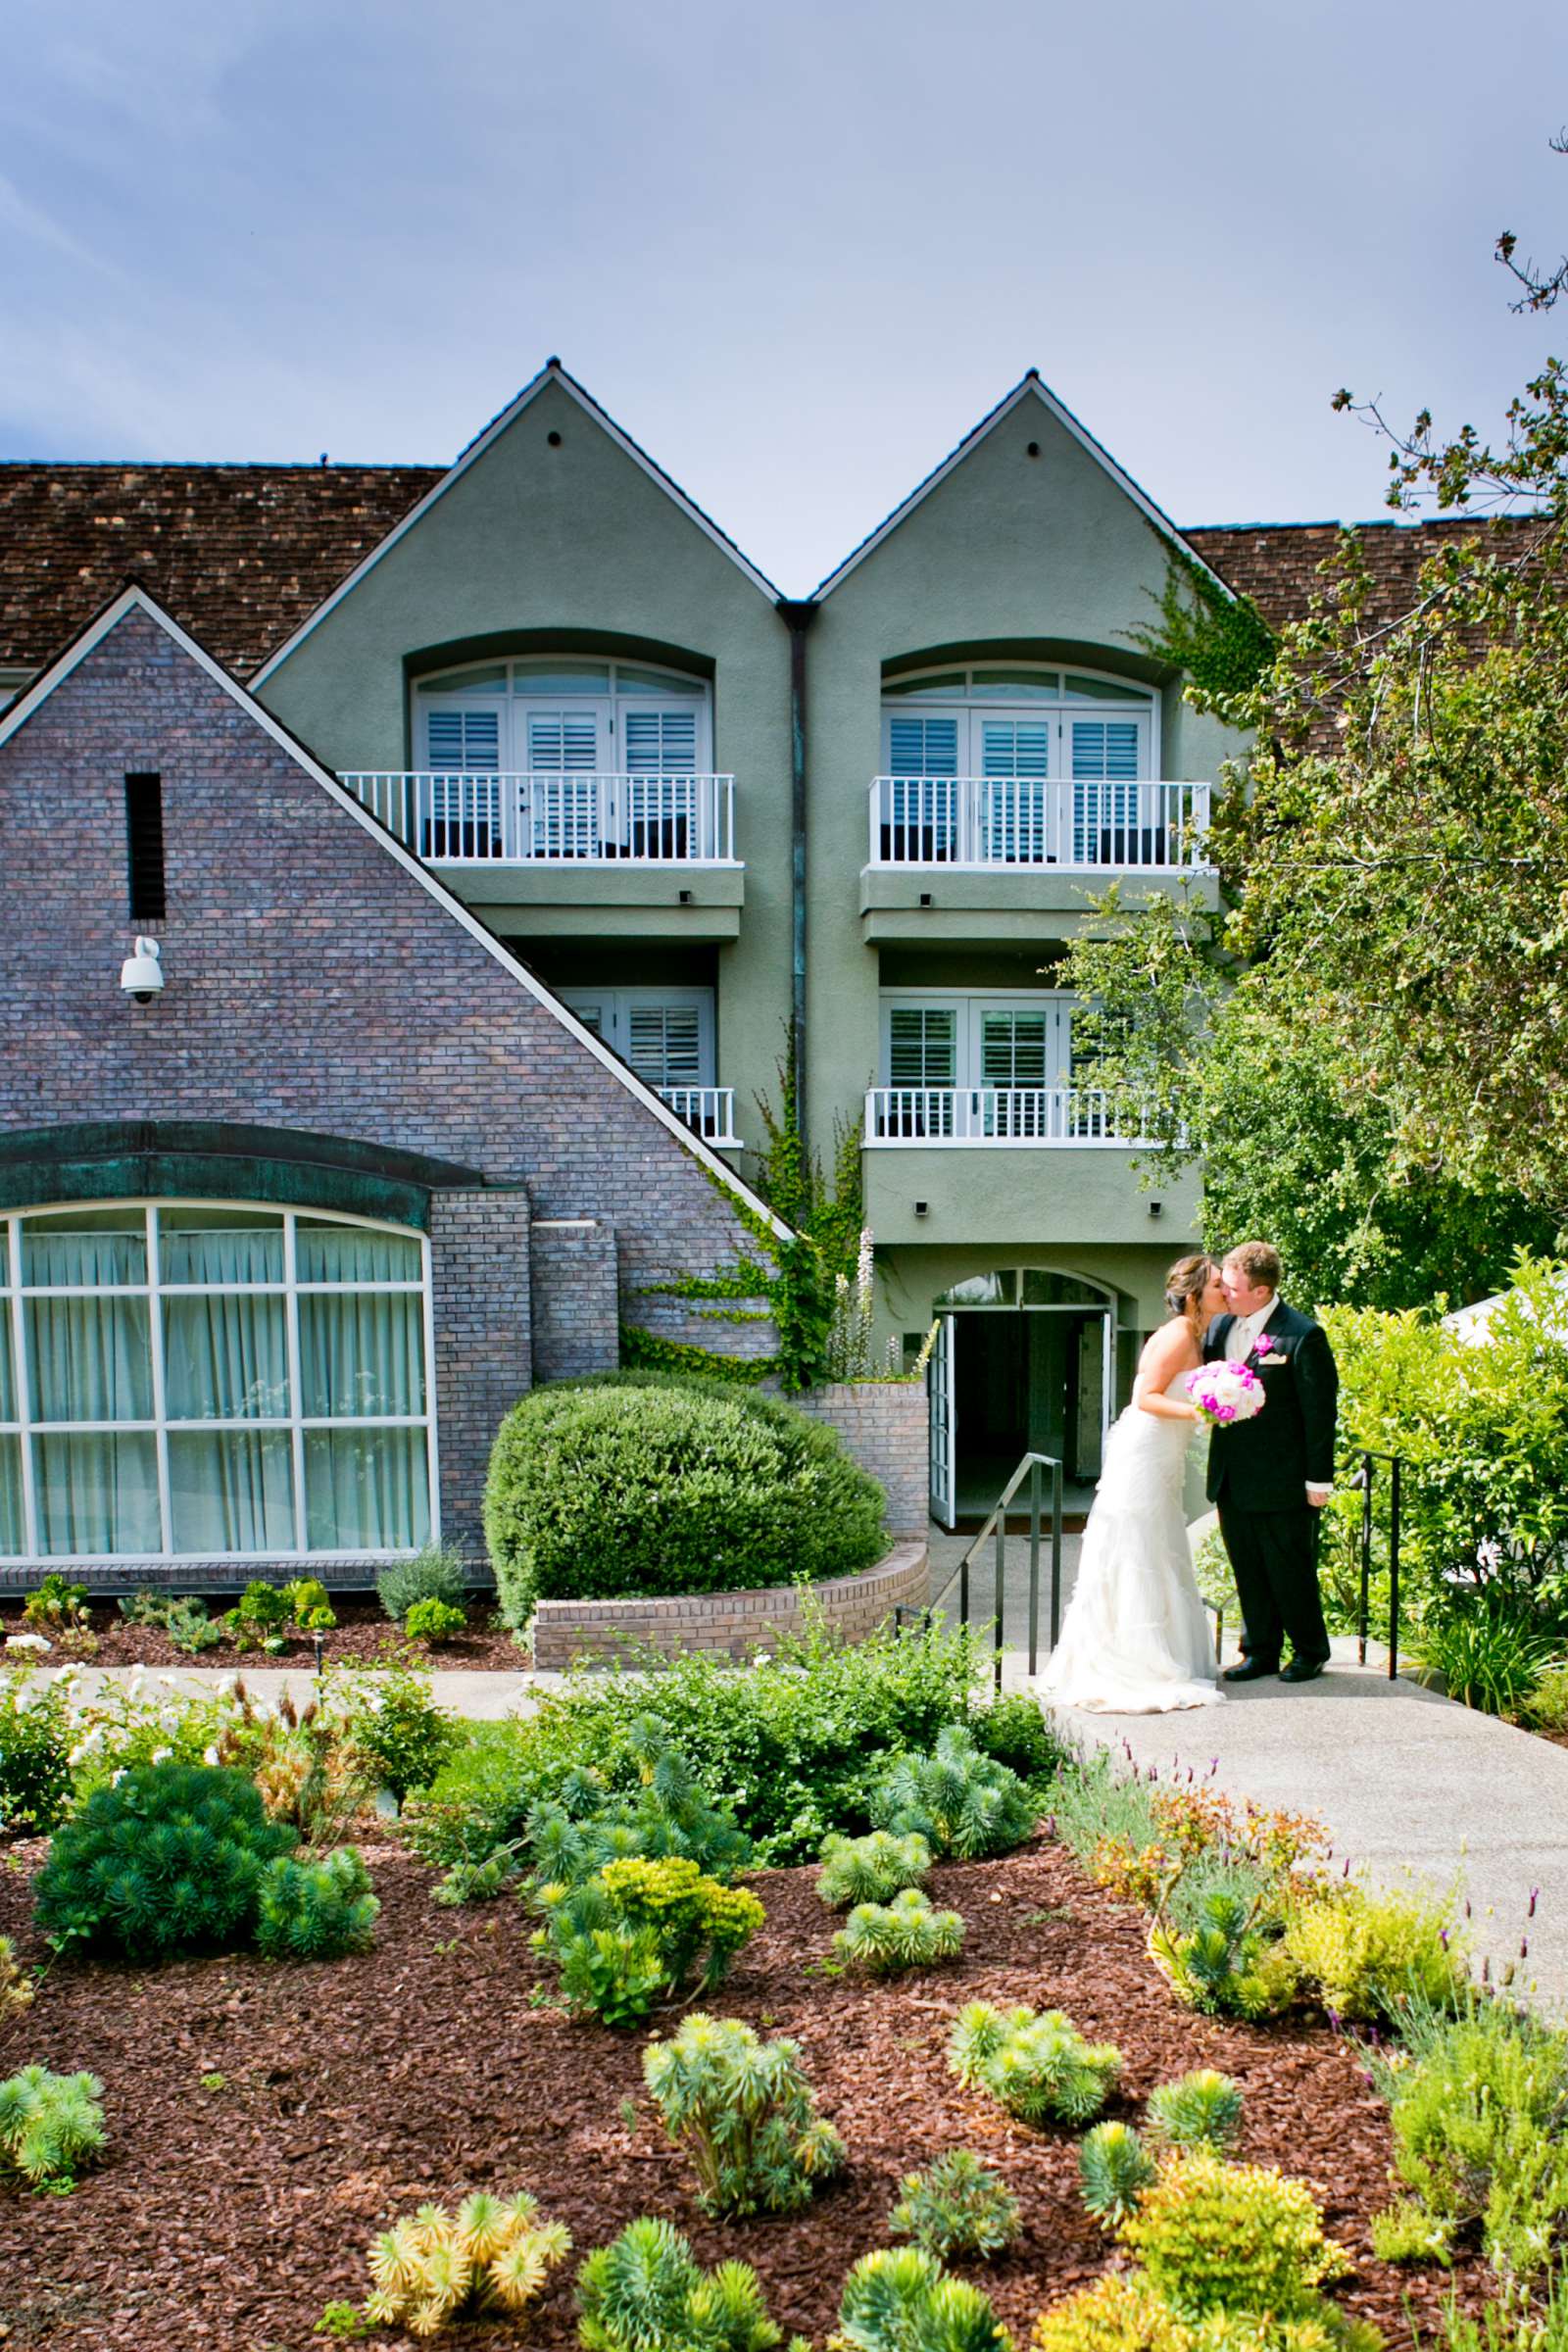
{"x":1265,"y":1352}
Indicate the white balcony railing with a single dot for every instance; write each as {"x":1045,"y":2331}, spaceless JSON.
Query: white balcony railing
{"x":1025,"y":824}
{"x":708,"y":1110}
{"x":541,"y":819}
{"x":1069,"y":1115}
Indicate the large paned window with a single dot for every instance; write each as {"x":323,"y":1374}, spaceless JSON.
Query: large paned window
{"x":1013,"y":734}
{"x":181,"y":1380}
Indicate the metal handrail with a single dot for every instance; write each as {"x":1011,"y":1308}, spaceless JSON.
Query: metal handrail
{"x":1363,"y":1479}
{"x":1030,"y":1467}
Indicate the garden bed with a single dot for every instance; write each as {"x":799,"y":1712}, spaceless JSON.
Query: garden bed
{"x":265,"y":2121}
{"x":364,"y":1632}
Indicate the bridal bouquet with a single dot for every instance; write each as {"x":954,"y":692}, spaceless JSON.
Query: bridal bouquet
{"x":1225,"y":1393}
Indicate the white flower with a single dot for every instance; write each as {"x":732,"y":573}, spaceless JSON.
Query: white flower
{"x":226,"y":1686}
{"x":33,"y":1641}
{"x":170,"y":1681}
{"x":115,"y":1778}
{"x":65,"y":1676}
{"x":210,"y":1755}
{"x":160,"y":1755}
{"x":135,"y":1681}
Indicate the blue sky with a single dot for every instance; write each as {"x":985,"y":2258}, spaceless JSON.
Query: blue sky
{"x":796,"y":251}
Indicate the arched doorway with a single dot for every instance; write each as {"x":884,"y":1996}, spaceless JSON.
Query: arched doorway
{"x":1026,"y":1362}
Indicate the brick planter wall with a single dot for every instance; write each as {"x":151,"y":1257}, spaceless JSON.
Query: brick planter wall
{"x":728,"y":1624}
{"x":883,"y":1425}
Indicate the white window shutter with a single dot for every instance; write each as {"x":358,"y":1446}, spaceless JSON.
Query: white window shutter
{"x":663,"y":1043}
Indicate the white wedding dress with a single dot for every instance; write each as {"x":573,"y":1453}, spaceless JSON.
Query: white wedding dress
{"x":1136,"y":1641}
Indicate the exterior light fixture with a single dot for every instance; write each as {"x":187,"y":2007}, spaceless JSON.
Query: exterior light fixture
{"x":1157,"y":1208}
{"x":142,"y":975}
{"x":922,"y":1209}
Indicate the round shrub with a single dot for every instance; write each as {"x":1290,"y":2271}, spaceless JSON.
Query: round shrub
{"x":169,"y":1859}
{"x":599,"y":1489}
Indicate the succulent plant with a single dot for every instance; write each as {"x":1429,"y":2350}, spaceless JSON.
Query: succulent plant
{"x":493,"y":2254}
{"x":957,"y":2206}
{"x":1039,"y":2067}
{"x":743,"y":2109}
{"x":904,"y":1933}
{"x":870,"y":1870}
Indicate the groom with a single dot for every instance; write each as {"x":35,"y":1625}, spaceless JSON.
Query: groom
{"x":1270,"y":1476}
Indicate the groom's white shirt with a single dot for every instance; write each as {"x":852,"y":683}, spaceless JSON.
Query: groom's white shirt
{"x":1241,"y":1338}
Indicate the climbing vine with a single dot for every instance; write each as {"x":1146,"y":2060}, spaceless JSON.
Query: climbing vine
{"x":1221,"y":641}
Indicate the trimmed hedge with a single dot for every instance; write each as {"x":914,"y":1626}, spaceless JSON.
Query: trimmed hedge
{"x":655,"y":1484}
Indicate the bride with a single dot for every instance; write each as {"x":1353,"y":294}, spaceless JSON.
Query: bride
{"x":1135,"y":1640}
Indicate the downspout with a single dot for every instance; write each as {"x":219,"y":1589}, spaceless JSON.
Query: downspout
{"x":798,"y":619}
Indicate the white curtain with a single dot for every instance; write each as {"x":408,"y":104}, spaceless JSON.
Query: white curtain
{"x":89,"y":1359}
{"x":97,"y":1492}
{"x":231,"y":1489}
{"x":361,"y":1352}
{"x":13,"y":1535}
{"x":354,"y":1253}
{"x":225,"y":1356}
{"x":365,"y":1489}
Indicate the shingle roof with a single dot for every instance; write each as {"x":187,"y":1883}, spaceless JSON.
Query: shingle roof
{"x":242,"y":553}
{"x":1276,"y":563}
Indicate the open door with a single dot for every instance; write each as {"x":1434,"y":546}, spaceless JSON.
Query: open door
{"x":944,"y":1423}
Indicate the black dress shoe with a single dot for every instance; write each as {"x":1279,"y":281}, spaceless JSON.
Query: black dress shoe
{"x":1251,"y":1670}
{"x":1303,"y":1669}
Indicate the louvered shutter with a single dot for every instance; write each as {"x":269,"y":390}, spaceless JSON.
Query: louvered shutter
{"x":563,"y":746}
{"x":921,"y":1045}
{"x":925,"y":809}
{"x":664,"y":1044}
{"x":462,"y":814}
{"x":660,"y":748}
{"x":1014,"y":762}
{"x":1105,"y":761}
{"x":1013,"y":1060}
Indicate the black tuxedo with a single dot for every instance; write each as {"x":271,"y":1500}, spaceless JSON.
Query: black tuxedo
{"x":1258,"y":1474}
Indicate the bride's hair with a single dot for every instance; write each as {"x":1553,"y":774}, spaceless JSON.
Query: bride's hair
{"x":1188,"y":1279}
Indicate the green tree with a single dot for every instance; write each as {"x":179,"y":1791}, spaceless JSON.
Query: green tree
{"x":1371,"y":1045}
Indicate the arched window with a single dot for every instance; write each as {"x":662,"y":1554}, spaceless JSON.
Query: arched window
{"x":184,"y":1380}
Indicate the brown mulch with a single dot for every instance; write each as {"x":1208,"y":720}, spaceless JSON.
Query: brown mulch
{"x":364,"y":1635}
{"x":226,"y":2214}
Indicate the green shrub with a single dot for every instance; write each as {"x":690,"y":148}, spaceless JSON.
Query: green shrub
{"x":1405,"y":2232}
{"x":1121,"y":2312}
{"x":585,"y":1826}
{"x":57,"y":1606}
{"x":51,"y":2127}
{"x":644,"y":2294}
{"x":885,"y":1937}
{"x":181,"y":1615}
{"x":168,"y":1860}
{"x":1015,"y":1730}
{"x":397,"y":1731}
{"x":1546,"y":1707}
{"x":1483,"y":1434}
{"x":901,"y":2299}
{"x":1039,"y":2067}
{"x":317,"y":1909}
{"x":960,"y":1801}
{"x":1367,"y":1956}
{"x":599,"y":1491}
{"x":309,"y":1606}
{"x":1503,"y":2326}
{"x":1199,"y":2109}
{"x":260,"y":1618}
{"x":493,"y":2254}
{"x":434,"y":1620}
{"x":1114,"y":2169}
{"x":1228,"y":1962}
{"x":1491,"y":1648}
{"x":871,"y":1869}
{"x":34,"y":1754}
{"x":16,"y":1987}
{"x":1234,"y":2237}
{"x":437,"y":1573}
{"x":1479,"y":2111}
{"x":643,"y":1931}
{"x":785,"y":1745}
{"x":743,"y":2109}
{"x":957,"y":2206}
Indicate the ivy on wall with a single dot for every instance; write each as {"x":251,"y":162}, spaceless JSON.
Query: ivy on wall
{"x":1221,"y":641}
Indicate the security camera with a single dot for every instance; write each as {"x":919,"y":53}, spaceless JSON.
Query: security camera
{"x":142,"y":975}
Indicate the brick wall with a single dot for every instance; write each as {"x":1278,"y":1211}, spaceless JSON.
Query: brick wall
{"x":728,"y":1624}
{"x":575,"y":1319}
{"x":312,"y":983}
{"x":479,"y":1306}
{"x":883,"y":1425}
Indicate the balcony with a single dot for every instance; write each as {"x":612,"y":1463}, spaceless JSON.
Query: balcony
{"x":573,"y":853}
{"x":1073,"y":1117}
{"x":958,"y":860}
{"x":570,"y":818}
{"x":708,"y":1110}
